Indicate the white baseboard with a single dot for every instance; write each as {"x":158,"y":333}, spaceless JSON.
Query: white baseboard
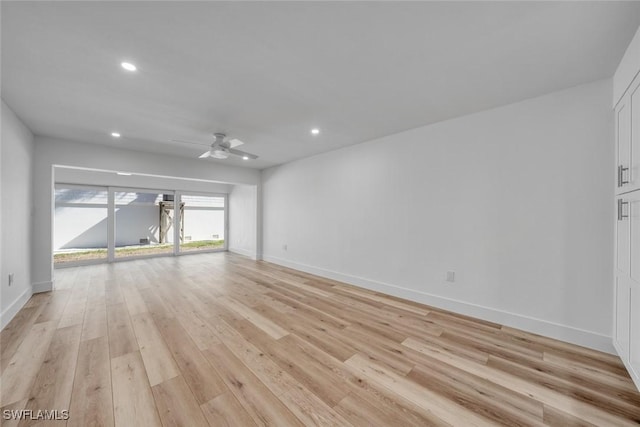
{"x":42,"y":287}
{"x":10,"y":312}
{"x":245,"y":252}
{"x":537,"y":326}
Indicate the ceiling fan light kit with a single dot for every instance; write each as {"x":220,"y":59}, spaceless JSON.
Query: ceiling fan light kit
{"x":221,"y":149}
{"x":219,"y":153}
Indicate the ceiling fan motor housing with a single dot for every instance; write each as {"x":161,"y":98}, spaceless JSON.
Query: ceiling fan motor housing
{"x":219,"y":138}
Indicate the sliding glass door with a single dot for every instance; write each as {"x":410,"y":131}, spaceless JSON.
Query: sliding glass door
{"x":105,"y":224}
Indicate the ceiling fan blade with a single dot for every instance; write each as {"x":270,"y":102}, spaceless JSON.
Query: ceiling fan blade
{"x":234,"y":142}
{"x":205,"y":154}
{"x":242,"y":153}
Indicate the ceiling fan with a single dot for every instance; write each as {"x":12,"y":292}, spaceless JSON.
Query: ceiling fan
{"x":221,"y":149}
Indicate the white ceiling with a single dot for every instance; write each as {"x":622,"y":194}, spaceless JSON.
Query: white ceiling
{"x":268,"y":72}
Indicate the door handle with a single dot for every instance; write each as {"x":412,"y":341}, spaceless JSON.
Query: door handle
{"x":621,"y":215}
{"x":621,"y":171}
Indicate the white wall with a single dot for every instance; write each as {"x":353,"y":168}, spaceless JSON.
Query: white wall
{"x":516,"y":200}
{"x":243,"y":216}
{"x":16,"y":170}
{"x":627,"y":69}
{"x":50,"y":152}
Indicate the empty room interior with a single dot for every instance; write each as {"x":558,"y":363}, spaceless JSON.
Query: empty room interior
{"x":320,"y":213}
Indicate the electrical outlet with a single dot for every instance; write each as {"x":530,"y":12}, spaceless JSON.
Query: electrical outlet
{"x":451,"y":276}
{"x":284,"y":247}
{"x":10,"y":279}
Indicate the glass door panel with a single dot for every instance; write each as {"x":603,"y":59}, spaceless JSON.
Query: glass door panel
{"x":80,"y":225}
{"x":203,"y":223}
{"x":144,"y":223}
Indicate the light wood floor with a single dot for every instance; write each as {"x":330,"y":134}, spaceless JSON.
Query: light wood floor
{"x":217,"y":339}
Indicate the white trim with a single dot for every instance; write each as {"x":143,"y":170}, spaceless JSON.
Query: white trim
{"x":63,"y":185}
{"x":226,"y":222}
{"x":177,"y":222}
{"x":9,"y":313}
{"x":202,"y":251}
{"x":136,"y":257}
{"x":636,"y":380}
{"x":78,"y":263}
{"x":42,"y":287}
{"x":245,"y":252}
{"x":159,"y":191}
{"x":537,"y":326}
{"x":111,"y":224}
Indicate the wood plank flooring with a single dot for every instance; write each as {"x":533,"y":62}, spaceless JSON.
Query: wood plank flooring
{"x":220,"y":340}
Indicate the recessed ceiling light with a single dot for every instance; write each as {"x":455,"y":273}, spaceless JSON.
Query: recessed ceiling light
{"x":124,"y":173}
{"x":245,"y":157}
{"x":115,"y":134}
{"x":128,"y":66}
{"x":315,"y":131}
